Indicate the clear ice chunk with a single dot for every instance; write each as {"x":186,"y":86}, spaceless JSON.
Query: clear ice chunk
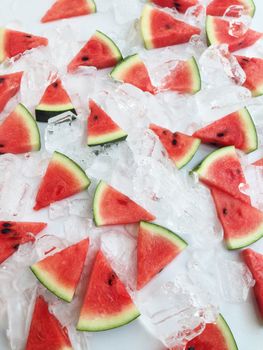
{"x":58,"y":209}
{"x":80,"y":207}
{"x":127,"y":11}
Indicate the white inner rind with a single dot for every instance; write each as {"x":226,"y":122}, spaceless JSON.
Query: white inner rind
{"x":196,"y":86}
{"x":249,"y":130}
{"x":92,"y":5}
{"x":190,"y":153}
{"x":146,"y":27}
{"x":54,"y":107}
{"x":240,"y":242}
{"x":226,"y":332}
{"x":109,"y":137}
{"x":120,"y":70}
{"x":2,"y":45}
{"x":210,"y":30}
{"x":102,"y":186}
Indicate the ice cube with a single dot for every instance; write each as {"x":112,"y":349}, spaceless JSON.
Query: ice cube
{"x":49,"y":244}
{"x":80,"y":207}
{"x":76,"y":228}
{"x":58,"y":209}
{"x":127,"y":11}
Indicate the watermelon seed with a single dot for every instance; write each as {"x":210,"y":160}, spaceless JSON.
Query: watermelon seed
{"x":55,"y":84}
{"x":165,"y":132}
{"x":191,"y":348}
{"x":7,"y":224}
{"x":245,"y":60}
{"x":225,"y":211}
{"x":1,"y":145}
{"x":174,"y":142}
{"x":16,"y":246}
{"x":95,"y":117}
{"x":168,"y":26}
{"x":85,"y":58}
{"x":5,"y":230}
{"x":28,"y":36}
{"x":220,"y":134}
{"x":111,"y":279}
{"x":2,"y":80}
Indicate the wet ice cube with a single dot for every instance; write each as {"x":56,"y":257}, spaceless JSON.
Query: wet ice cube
{"x":126,"y":11}
{"x":76,"y":228}
{"x":58,"y":209}
{"x":80,"y":207}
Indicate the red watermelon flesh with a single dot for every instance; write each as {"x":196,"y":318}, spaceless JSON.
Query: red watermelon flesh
{"x":63,"y":178}
{"x":160,"y":29}
{"x":180,"y":5}
{"x":235,"y":129}
{"x":100,"y":52}
{"x":180,"y":147}
{"x":254,"y":262}
{"x":111,"y":207}
{"x":222,"y":169}
{"x":258,"y":162}
{"x":157,"y":247}
{"x":12,"y":234}
{"x":55,"y":94}
{"x":69,"y":8}
{"x":15,"y":43}
{"x":216,"y":336}
{"x":217,"y":31}
{"x":242,"y":223}
{"x":60,"y":273}
{"x":107,"y":303}
{"x":253,"y":67}
{"x":46,"y":332}
{"x":9,"y":87}
{"x":219,"y":7}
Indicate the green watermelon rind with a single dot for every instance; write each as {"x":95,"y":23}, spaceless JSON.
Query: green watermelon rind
{"x":73,"y":167}
{"x":145,"y":27}
{"x":51,"y":284}
{"x":92,"y":5}
{"x":227,"y":333}
{"x":105,"y":323}
{"x":123,"y":66}
{"x":107,"y":138}
{"x":239,"y":243}
{"x":116,"y":53}
{"x":102,"y":185}
{"x":32,"y":126}
{"x":251,"y":131}
{"x":3,"y":55}
{"x":252,"y":7}
{"x":43,"y":116}
{"x":190,"y":154}
{"x":165,"y":233}
{"x":209,"y":28}
{"x":195,"y":75}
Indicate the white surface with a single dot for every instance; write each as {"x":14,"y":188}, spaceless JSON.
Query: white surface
{"x":242,"y":318}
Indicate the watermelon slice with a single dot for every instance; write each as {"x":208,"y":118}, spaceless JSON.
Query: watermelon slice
{"x":217,"y":32}
{"x":19,"y":132}
{"x":160,"y":29}
{"x":69,"y":8}
{"x":9,"y":87}
{"x":45,"y":330}
{"x":242,"y":223}
{"x":216,"y":336}
{"x":157,"y":247}
{"x":219,"y":7}
{"x":253,"y":67}
{"x":222,"y":169}
{"x":180,"y":147}
{"x":60,"y":273}
{"x":258,"y":162}
{"x":254,"y":262}
{"x":107,"y":304}
{"x":184,"y":78}
{"x":100,"y":52}
{"x":12,"y":234}
{"x":63,"y":178}
{"x":180,"y":5}
{"x":14,"y":43}
{"x":133,"y":71}
{"x":101,"y":128}
{"x":235,"y":129}
{"x":54,"y":101}
{"x":111,"y":207}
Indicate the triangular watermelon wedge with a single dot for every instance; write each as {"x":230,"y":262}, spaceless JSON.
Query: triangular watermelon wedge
{"x":60,"y":273}
{"x":69,"y":8}
{"x":133,"y":71}
{"x":14,"y":43}
{"x":46,"y":332}
{"x":12,"y":234}
{"x":9,"y":87}
{"x":160,"y":29}
{"x":219,"y":7}
{"x":157,"y":247}
{"x":19,"y":132}
{"x":253,"y":67}
{"x":184,"y":78}
{"x":237,"y":129}
{"x":180,"y":147}
{"x":254,"y":262}
{"x":217,"y":32}
{"x":100,"y":52}
{"x":222,"y":169}
{"x":111,"y":207}
{"x":101,"y":128}
{"x":216,"y":336}
{"x":106,"y":304}
{"x":54,"y":101}
{"x":242,"y":223}
{"x":63,"y":178}
{"x":180,"y":5}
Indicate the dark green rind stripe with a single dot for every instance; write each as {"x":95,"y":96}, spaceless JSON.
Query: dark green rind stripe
{"x":43,"y":116}
{"x":109,"y":142}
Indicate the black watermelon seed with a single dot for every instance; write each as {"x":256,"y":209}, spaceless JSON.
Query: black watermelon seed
{"x":95,"y":117}
{"x":238,"y":171}
{"x":245,"y":60}
{"x":177,"y":5}
{"x":225,"y":211}
{"x":2,"y":80}
{"x":55,"y":84}
{"x":5,"y":230}
{"x":164,"y":132}
{"x":111,"y":280}
{"x":28,"y":36}
{"x":7,"y":224}
{"x":160,"y":270}
{"x":174,"y":142}
{"x":168,"y":26}
{"x":1,"y":145}
{"x":85,"y":58}
{"x":16,"y":246}
{"x":191,"y":348}
{"x":220,"y":134}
